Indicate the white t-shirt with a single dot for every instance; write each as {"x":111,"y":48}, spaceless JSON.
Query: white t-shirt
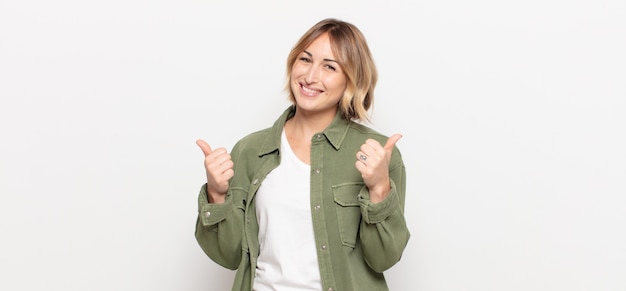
{"x":287,"y":258}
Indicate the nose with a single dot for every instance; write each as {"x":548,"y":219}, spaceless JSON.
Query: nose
{"x":312,"y":75}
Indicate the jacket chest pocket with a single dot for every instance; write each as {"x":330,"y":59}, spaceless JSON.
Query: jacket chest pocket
{"x":348,"y":211}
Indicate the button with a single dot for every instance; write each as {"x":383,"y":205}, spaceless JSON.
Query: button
{"x":207,"y":214}
{"x":323,"y":247}
{"x":255,"y":181}
{"x":317,"y":171}
{"x":330,"y":288}
{"x":317,"y":207}
{"x":319,"y":136}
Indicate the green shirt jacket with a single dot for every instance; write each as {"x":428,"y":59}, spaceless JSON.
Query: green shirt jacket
{"x":356,"y":239}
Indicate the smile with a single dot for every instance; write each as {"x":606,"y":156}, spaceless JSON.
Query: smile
{"x":310,"y":91}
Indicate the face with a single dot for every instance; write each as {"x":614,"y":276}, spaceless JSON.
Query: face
{"x":317,"y":80}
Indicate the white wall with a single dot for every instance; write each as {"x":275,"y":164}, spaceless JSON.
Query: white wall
{"x":513,"y":117}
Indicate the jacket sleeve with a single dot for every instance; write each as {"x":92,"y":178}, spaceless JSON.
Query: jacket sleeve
{"x":219,"y":229}
{"x":384,"y":233}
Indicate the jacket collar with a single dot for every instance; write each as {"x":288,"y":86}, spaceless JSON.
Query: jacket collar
{"x":335,"y":133}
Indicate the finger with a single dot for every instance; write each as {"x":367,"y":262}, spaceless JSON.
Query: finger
{"x":360,"y":166}
{"x":391,"y":142}
{"x":361,"y":157}
{"x":228,"y":165}
{"x":371,"y":147}
{"x":205,"y":147}
{"x":222,"y":159}
{"x":229,"y":174}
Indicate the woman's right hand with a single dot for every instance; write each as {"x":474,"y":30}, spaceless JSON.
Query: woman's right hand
{"x":219,"y":169}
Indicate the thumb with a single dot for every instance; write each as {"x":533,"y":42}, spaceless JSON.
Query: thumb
{"x":204,"y":146}
{"x":391,"y":142}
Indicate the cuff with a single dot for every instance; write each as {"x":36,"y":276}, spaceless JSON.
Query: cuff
{"x":210,"y":213}
{"x":378,"y":212}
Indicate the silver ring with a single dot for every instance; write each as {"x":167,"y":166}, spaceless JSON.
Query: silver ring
{"x":363,"y":158}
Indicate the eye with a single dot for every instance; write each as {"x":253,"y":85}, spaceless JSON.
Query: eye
{"x":330,"y":67}
{"x":305,"y":59}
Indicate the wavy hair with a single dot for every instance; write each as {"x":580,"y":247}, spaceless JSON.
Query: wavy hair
{"x":355,"y":59}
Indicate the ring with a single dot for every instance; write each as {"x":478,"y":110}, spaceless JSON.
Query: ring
{"x":363,"y":158}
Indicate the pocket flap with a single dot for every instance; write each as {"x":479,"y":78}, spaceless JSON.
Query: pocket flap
{"x":347,"y":194}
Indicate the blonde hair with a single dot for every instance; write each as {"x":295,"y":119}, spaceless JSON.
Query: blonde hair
{"x":353,"y":55}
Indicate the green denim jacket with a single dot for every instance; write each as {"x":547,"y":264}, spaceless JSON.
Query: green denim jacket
{"x":356,"y":239}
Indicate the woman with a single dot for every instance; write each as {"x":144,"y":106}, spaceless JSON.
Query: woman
{"x":316,"y":201}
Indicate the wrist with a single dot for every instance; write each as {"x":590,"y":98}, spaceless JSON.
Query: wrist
{"x":215,"y":197}
{"x":380,"y":192}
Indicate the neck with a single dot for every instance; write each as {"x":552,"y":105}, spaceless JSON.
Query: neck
{"x":300,"y":130}
{"x":305,"y":125}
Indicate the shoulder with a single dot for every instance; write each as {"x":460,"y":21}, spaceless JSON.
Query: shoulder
{"x":253,"y":139}
{"x":265,"y":140}
{"x":362,"y":130}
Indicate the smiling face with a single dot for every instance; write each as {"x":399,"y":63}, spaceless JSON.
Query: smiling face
{"x":317,"y":80}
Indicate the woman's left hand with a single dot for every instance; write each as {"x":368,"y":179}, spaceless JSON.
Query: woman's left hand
{"x":373,"y":163}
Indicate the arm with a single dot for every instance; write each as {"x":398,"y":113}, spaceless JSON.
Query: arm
{"x":384,"y":233}
{"x":218,"y":229}
{"x":220,"y":211}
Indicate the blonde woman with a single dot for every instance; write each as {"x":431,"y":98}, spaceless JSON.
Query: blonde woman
{"x":316,"y":201}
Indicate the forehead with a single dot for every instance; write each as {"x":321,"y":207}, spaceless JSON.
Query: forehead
{"x":321,"y":46}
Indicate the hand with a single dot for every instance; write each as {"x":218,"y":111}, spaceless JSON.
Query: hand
{"x":219,"y":170}
{"x":373,"y":163}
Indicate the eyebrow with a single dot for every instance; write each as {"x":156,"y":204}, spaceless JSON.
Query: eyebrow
{"x":326,"y":60}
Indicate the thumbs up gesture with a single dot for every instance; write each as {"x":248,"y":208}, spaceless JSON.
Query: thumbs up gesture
{"x":373,"y":163}
{"x":219,"y":170}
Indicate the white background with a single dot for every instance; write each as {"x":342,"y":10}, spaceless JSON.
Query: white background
{"x":513,"y":115}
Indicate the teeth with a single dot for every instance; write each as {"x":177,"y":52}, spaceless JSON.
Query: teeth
{"x":309,"y":90}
